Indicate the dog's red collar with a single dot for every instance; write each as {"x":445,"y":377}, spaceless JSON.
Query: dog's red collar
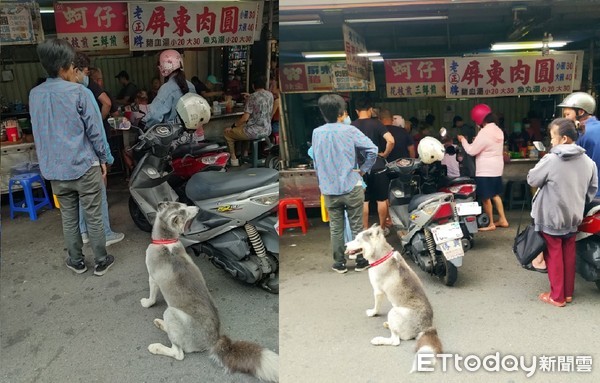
{"x":381,"y":260}
{"x":164,"y":241}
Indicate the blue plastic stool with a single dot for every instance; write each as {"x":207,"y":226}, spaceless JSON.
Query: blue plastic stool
{"x":32,"y":205}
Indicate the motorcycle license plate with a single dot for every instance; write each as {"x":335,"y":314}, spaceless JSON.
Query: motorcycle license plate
{"x":452,"y":249}
{"x":447,"y":232}
{"x":468,"y":208}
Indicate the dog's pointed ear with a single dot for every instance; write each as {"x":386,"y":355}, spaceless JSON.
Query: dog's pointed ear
{"x":162,"y":205}
{"x":375,"y":225}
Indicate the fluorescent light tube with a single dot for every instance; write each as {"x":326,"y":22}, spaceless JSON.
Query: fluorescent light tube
{"x":300,"y":22}
{"x":523,"y":45}
{"x":336,"y":54}
{"x":390,"y":19}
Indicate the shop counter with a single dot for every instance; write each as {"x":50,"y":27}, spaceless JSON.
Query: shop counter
{"x":214,"y":130}
{"x":300,"y":183}
{"x":517,"y":169}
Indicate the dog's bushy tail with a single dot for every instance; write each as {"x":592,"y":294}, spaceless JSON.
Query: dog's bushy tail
{"x":246,"y":357}
{"x":428,"y":343}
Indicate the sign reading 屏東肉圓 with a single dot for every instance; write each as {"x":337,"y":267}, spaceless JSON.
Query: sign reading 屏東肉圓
{"x":511,"y":75}
{"x":164,"y":25}
{"x":90,"y":26}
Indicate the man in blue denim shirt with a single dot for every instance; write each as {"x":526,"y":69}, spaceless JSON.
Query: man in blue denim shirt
{"x":71,"y":151}
{"x":335,"y":146}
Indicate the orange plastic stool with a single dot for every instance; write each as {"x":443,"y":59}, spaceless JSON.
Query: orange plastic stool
{"x":285,"y":222}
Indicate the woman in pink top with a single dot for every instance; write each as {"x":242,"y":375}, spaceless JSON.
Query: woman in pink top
{"x":489,"y":163}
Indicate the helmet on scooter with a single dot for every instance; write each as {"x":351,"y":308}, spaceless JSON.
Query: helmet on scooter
{"x":430,"y":150}
{"x":169,"y":61}
{"x":579,"y":100}
{"x":479,"y":112}
{"x":193,"y":110}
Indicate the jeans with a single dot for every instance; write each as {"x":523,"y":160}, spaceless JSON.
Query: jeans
{"x":352,"y":203}
{"x":84,"y":191}
{"x":104,"y":208}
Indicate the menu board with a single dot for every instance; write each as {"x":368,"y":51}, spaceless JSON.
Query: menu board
{"x":16,"y":23}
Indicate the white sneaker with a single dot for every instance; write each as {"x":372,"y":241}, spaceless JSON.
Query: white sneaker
{"x":235,"y":162}
{"x":114,"y":238}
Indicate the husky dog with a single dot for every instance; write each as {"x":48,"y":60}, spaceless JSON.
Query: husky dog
{"x":191,"y":319}
{"x":411,"y":315}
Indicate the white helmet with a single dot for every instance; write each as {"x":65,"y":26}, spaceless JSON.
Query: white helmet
{"x":430,"y":150}
{"x":193,"y":110}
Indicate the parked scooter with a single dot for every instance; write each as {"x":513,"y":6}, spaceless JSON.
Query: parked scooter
{"x":425,"y":223}
{"x":235,"y":226}
{"x":194,"y":157}
{"x":588,"y":244}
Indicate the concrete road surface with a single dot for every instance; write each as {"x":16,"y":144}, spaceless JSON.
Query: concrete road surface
{"x":57,"y":326}
{"x":493,"y":308}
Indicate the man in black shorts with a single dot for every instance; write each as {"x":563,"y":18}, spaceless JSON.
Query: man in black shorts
{"x":377,"y":181}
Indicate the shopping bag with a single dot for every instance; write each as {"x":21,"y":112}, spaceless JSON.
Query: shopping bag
{"x":528,"y":244}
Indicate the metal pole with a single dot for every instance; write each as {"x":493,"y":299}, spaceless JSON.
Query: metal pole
{"x":284,"y":152}
{"x":269,"y":42}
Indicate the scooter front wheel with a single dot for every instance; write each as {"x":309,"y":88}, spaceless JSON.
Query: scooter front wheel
{"x":138,"y":217}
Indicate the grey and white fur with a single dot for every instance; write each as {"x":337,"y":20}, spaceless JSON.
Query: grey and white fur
{"x":411,"y":315}
{"x":191,"y":320}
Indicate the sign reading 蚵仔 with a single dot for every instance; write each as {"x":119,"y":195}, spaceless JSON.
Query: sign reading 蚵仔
{"x":415,"y":77}
{"x":498,"y":76}
{"x":162,"y":25}
{"x":357,"y":63}
{"x":92,"y":25}
{"x":323,"y":76}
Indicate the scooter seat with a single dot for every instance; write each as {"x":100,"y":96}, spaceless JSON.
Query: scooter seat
{"x":194,"y":149}
{"x":206,"y":185}
{"x":420,"y":198}
{"x":460,"y":181}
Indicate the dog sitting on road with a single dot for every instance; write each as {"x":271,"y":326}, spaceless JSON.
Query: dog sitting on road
{"x":411,"y":315}
{"x":191,"y":320}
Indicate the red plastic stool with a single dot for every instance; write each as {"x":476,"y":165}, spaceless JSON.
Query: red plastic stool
{"x":285,"y":222}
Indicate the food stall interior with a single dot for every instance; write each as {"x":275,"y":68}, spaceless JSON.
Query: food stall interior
{"x":440,"y":29}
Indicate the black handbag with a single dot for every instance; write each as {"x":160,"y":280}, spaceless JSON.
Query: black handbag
{"x":528,"y":243}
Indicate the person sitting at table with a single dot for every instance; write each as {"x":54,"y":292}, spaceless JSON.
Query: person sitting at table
{"x":208,"y":89}
{"x":234,"y":86}
{"x":255,"y":122}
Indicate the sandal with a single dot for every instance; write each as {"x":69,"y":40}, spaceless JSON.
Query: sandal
{"x":569,"y":299}
{"x":487,"y":228}
{"x":530,"y":267}
{"x":545,"y":297}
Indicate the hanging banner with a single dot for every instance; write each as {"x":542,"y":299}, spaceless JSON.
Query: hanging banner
{"x":498,"y":76}
{"x":415,"y":78}
{"x":16,"y":24}
{"x":162,"y":25}
{"x":321,"y":77}
{"x":343,"y":82}
{"x":91,"y":26}
{"x":354,"y":45}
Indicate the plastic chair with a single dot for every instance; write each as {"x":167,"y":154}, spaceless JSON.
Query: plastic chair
{"x":30,"y":204}
{"x":255,"y":144}
{"x":285,"y":222}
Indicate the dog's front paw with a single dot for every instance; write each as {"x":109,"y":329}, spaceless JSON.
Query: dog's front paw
{"x":371,"y":312}
{"x":146,"y":302}
{"x":379,"y":341}
{"x":155,"y":348}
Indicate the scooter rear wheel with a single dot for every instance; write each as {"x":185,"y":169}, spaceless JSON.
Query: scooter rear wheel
{"x":272,"y":162}
{"x":483,"y":220}
{"x":138,"y":217}
{"x":451,"y":274}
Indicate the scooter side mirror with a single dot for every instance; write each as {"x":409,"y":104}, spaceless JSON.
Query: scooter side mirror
{"x":539,"y":146}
